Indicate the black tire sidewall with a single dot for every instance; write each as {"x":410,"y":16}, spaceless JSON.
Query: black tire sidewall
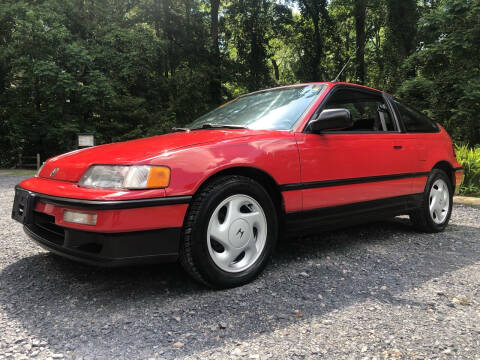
{"x":434,"y":176}
{"x":201,"y":256}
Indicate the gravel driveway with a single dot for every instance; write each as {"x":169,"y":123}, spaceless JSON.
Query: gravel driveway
{"x":374,"y":291}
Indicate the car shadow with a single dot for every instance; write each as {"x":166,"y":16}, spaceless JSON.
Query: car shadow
{"x":141,"y":311}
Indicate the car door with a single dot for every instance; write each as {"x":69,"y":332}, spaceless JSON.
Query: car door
{"x":422,"y":133}
{"x":369,"y":161}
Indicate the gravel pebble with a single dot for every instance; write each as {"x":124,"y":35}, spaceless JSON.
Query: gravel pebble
{"x":373,"y":291}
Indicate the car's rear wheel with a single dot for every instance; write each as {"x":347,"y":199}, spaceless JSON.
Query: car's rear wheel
{"x":436,"y":208}
{"x":229,"y":232}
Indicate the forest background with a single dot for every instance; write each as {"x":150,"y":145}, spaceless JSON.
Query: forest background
{"x":126,"y":69}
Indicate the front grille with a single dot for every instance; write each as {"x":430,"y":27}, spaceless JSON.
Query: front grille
{"x":44,"y":226}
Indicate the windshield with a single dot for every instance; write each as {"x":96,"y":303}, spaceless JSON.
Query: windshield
{"x":276,"y":109}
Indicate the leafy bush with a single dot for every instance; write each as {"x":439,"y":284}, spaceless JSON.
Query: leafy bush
{"x":470,"y":160}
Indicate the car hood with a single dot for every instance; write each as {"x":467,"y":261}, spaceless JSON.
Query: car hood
{"x":71,"y":166}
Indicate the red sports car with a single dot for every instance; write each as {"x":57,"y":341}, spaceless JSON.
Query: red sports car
{"x":217,"y":193}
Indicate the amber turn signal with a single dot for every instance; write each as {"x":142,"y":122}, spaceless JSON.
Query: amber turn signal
{"x":158,"y":177}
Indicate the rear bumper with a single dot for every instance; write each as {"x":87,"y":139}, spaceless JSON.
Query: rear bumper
{"x":110,"y":250}
{"x":458,"y":178}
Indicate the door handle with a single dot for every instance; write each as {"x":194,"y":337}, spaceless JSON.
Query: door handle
{"x":397,"y":147}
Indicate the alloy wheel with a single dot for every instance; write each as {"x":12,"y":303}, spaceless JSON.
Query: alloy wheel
{"x":439,"y":201}
{"x":237,"y":233}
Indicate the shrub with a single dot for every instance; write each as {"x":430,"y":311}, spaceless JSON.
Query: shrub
{"x":470,"y":160}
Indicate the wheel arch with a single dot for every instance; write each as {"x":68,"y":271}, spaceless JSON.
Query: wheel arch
{"x":261,"y":176}
{"x":448,"y":168}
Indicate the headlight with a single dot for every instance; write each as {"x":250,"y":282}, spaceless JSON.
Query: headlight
{"x":126,"y":177}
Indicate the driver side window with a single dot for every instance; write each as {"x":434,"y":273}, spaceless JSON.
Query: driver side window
{"x":369,"y":112}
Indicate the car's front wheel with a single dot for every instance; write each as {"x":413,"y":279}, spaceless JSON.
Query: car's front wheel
{"x":229,"y":232}
{"x":436,"y":206}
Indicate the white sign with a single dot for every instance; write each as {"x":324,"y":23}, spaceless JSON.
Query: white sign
{"x":86,"y":140}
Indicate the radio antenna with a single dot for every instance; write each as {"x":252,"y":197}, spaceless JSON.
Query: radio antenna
{"x":345,"y":66}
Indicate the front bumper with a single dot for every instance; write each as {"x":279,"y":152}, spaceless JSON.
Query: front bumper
{"x":127,"y":232}
{"x":110,"y":250}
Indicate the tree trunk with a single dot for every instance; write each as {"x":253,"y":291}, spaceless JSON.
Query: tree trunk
{"x":275,"y":68}
{"x":360,"y":9}
{"x":3,"y":75}
{"x":318,"y":48}
{"x":216,"y":80}
{"x":169,"y":61}
{"x":157,"y":21}
{"x":401,"y":35}
{"x":343,"y":76}
{"x":316,"y":10}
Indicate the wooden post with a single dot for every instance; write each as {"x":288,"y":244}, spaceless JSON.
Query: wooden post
{"x":19,"y":161}
{"x":38,"y":161}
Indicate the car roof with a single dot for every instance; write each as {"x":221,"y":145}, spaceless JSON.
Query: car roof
{"x":327,"y":83}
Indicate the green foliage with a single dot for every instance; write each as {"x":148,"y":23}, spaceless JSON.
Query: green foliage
{"x":133,"y":68}
{"x":252,"y":27}
{"x":400,"y":40}
{"x":69,"y":67}
{"x":446,"y":81}
{"x":470,"y":160}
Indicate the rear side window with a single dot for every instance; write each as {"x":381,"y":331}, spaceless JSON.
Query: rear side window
{"x":414,"y":120}
{"x":369,"y":111}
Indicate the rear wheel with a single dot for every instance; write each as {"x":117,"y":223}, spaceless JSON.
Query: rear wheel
{"x":229,"y":232}
{"x":436,"y":207}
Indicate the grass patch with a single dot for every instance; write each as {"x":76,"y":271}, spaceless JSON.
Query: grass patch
{"x":17,"y":172}
{"x":470,"y":160}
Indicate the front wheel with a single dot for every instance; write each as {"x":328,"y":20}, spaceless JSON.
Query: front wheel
{"x":229,"y":232}
{"x":436,"y":208}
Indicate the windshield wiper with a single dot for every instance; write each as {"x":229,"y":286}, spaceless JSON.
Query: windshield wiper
{"x":209,"y":126}
{"x":174,"y":129}
{"x":219,"y":126}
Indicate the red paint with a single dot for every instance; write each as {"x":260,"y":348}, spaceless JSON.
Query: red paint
{"x":124,"y":220}
{"x":342,"y":156}
{"x":458,"y":178}
{"x":72,"y":190}
{"x":288,"y":157}
{"x":293,"y":200}
{"x":418,"y":184}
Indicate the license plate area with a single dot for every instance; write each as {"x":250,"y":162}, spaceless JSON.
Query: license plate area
{"x":23,"y":206}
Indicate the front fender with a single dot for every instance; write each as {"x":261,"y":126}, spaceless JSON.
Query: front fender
{"x":277,"y":155}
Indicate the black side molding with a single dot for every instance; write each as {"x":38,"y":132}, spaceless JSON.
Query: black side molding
{"x":350,"y":181}
{"x":340,"y":216}
{"x":109,"y":204}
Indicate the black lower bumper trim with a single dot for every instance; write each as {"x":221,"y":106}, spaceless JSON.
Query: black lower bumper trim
{"x":110,"y":250}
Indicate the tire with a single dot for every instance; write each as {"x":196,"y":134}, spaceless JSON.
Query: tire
{"x":436,"y":220}
{"x":229,"y":233}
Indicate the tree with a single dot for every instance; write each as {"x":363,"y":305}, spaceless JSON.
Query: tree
{"x":216,"y":82}
{"x":401,"y":38}
{"x":447,"y":74}
{"x":131,"y":68}
{"x":316,"y":12}
{"x":360,"y":11}
{"x":249,"y":23}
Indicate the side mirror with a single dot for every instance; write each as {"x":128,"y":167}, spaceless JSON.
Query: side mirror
{"x":332,"y":119}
